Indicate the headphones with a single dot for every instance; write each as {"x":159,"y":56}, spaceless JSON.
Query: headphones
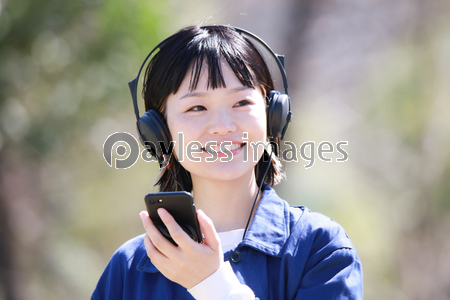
{"x":152,"y":128}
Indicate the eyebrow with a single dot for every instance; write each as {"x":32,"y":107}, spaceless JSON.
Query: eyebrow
{"x":202,"y":94}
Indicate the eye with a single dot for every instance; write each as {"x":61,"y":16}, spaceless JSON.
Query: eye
{"x":242,"y":103}
{"x":197,"y":108}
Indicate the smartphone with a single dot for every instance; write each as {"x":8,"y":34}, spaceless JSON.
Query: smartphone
{"x":181,"y":206}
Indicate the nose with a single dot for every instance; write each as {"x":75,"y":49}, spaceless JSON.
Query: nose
{"x":221,"y":123}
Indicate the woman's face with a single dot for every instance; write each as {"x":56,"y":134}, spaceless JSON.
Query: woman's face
{"x":214,"y":117}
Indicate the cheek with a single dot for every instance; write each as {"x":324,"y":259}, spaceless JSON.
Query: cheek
{"x":257,"y":139}
{"x":178,"y":138}
{"x":174,"y":132}
{"x":182,"y":134}
{"x":257,"y":125}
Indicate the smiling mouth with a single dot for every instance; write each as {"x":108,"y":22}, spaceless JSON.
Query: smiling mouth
{"x":217,"y":148}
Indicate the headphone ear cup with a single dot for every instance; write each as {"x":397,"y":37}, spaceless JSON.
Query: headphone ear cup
{"x":154,"y":133}
{"x":278,"y":114}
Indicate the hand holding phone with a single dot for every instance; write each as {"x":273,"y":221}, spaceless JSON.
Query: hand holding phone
{"x":181,"y":206}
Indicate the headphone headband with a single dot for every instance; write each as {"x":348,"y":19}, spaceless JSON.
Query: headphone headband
{"x":133,"y":84}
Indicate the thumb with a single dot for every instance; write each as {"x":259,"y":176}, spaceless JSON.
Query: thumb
{"x":209,"y":231}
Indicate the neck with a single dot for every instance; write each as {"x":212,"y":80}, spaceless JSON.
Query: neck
{"x":227,"y":203}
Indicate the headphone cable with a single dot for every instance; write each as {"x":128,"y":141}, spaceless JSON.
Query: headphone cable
{"x":173,"y":176}
{"x":257,"y":194}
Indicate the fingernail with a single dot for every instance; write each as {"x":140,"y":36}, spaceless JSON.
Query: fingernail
{"x":143,"y":215}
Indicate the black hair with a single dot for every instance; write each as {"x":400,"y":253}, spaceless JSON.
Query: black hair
{"x":191,"y":48}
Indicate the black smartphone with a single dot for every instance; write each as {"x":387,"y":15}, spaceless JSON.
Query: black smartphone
{"x":181,"y":206}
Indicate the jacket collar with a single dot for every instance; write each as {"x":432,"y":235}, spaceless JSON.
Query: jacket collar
{"x":145,"y":265}
{"x":269,"y":229}
{"x":267,"y":233}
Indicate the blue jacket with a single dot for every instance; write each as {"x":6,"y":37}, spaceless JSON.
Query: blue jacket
{"x":288,"y":253}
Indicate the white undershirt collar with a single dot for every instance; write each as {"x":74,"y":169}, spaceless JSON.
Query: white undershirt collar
{"x":230,"y":239}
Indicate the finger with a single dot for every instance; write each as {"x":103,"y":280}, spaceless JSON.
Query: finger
{"x":209,"y":231}
{"x":176,"y":232}
{"x":157,"y":258}
{"x":152,"y":252}
{"x":156,"y":237}
{"x":147,"y":222}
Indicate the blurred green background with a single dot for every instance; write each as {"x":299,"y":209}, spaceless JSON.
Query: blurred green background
{"x":375,"y":73}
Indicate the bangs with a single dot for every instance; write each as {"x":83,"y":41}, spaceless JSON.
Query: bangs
{"x":212,"y":51}
{"x":192,"y":50}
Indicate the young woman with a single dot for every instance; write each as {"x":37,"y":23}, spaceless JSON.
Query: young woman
{"x":211,"y":84}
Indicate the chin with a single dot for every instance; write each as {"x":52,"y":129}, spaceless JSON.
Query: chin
{"x":224,"y":171}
